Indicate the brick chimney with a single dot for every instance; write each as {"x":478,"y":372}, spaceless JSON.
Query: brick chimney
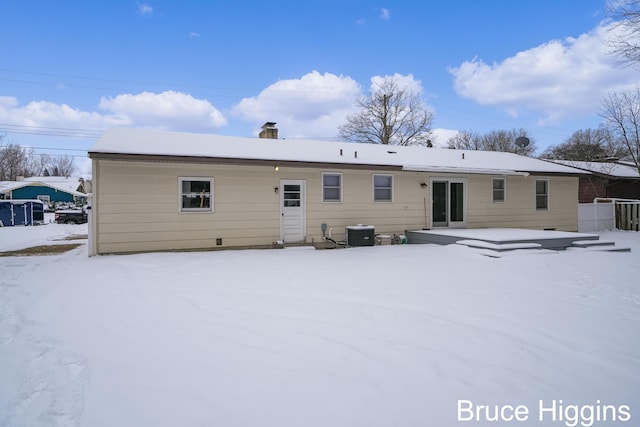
{"x":269,"y":131}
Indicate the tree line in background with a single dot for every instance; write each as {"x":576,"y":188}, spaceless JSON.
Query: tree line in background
{"x":617,"y":138}
{"x":396,"y":116}
{"x":495,"y":140}
{"x":18,"y":161}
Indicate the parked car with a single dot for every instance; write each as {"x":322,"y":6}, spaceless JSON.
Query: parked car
{"x":71,"y":216}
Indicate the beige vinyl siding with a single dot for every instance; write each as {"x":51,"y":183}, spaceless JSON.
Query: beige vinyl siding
{"x":136,"y":205}
{"x":406,"y":212}
{"x":519,"y":208}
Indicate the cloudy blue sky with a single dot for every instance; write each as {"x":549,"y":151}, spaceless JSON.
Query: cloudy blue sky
{"x":71,"y":69}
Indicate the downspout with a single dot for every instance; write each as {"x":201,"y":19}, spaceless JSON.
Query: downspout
{"x":426,"y":224}
{"x":92,"y":216}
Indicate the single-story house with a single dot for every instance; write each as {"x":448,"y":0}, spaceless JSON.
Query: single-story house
{"x":155,"y":190}
{"x":48,"y":189}
{"x":612,"y":179}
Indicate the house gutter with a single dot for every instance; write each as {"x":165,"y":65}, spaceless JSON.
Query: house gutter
{"x":237,"y":161}
{"x":453,"y":169}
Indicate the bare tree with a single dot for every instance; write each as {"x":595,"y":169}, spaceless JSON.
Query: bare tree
{"x":495,"y":140}
{"x":466,"y":140}
{"x":389,"y":115}
{"x":18,"y":161}
{"x":60,"y":166}
{"x":586,"y":145}
{"x":38,"y":164}
{"x":14,"y":162}
{"x":625,"y":41}
{"x":621,"y":114}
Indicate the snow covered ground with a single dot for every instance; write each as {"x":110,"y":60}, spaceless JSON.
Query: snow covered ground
{"x":377,"y":336}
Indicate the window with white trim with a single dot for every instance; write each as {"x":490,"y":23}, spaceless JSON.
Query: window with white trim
{"x":498,"y":186}
{"x":382,"y":188}
{"x":45,"y":198}
{"x":331,"y":187}
{"x":542,"y":194}
{"x":196,"y":194}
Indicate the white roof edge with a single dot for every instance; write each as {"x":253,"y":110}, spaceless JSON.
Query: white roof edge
{"x":21,"y":200}
{"x":447,"y":169}
{"x":623,"y":170}
{"x":16,"y":185}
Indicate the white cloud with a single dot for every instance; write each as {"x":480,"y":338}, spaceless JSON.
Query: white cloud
{"x":84,"y":167}
{"x":145,"y":9}
{"x":441,"y":137}
{"x":559,"y":79}
{"x":47,"y":114}
{"x":8,"y":102}
{"x":312,"y":106}
{"x":385,"y":14}
{"x":167,"y":110}
{"x":407,"y":82}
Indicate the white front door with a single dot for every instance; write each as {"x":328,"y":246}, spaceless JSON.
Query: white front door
{"x":292,"y":205}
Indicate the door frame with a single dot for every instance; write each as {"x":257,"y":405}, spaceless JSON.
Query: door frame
{"x":449,"y":181}
{"x":303,"y":206}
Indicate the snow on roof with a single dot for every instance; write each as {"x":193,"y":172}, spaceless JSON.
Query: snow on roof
{"x":615,"y":169}
{"x":161,"y":143}
{"x":11,"y":185}
{"x":68,"y":185}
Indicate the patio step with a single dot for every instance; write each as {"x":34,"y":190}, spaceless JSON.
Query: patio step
{"x":599,"y":246}
{"x":503,"y":254}
{"x":500,"y":250}
{"x":604,"y":249}
{"x":591,"y":243}
{"x":499,"y":247}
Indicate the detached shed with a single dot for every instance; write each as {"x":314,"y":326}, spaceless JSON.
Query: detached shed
{"x":156,"y":190}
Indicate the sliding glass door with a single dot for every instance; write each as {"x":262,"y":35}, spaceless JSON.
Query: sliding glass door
{"x":448,"y":204}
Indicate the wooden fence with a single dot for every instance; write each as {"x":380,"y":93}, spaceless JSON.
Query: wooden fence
{"x":628,"y":215}
{"x":625,"y":211}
